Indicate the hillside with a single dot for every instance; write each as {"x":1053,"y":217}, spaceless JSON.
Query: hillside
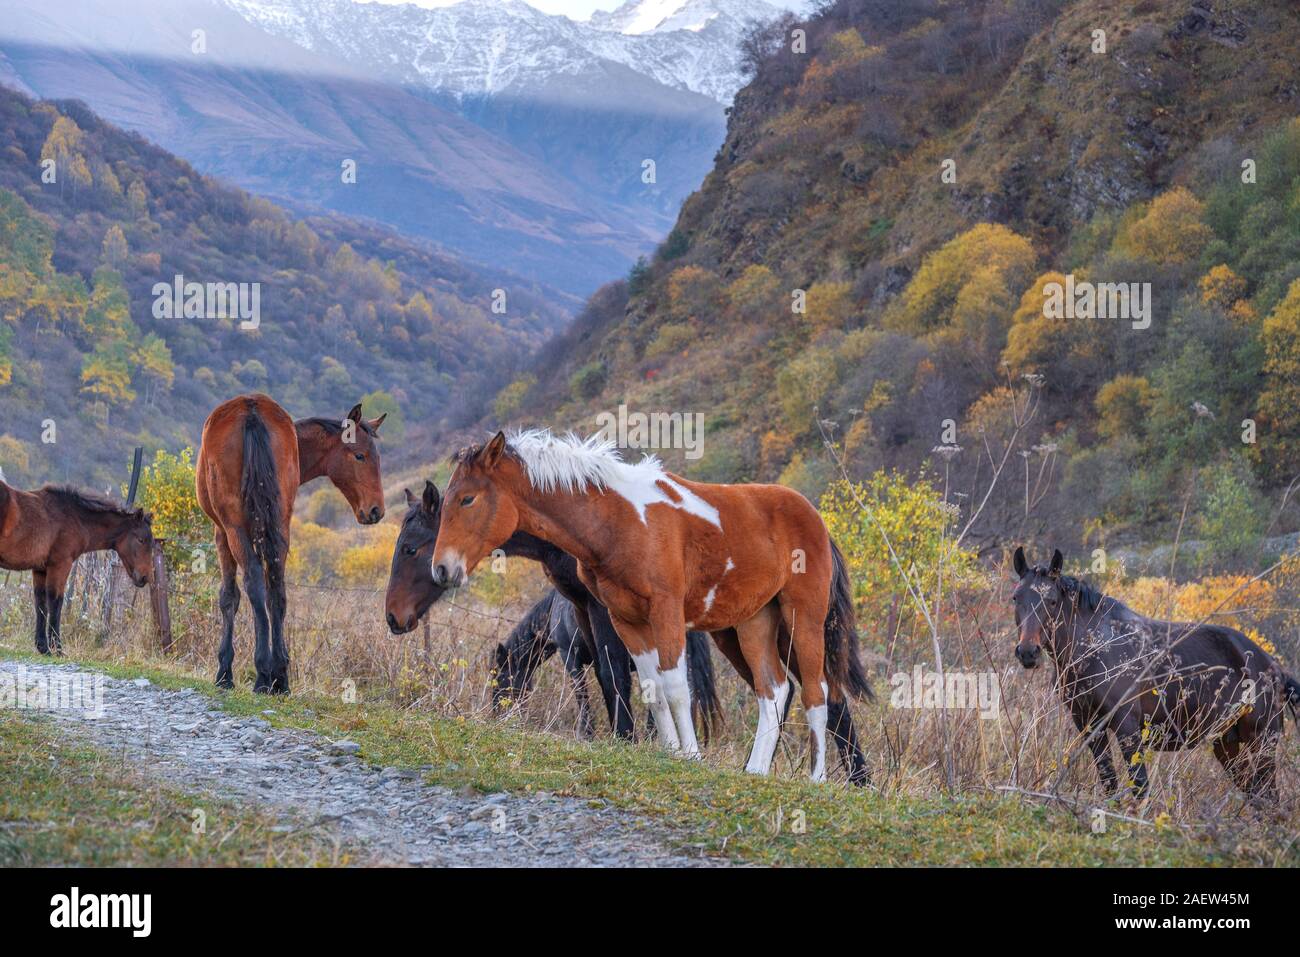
{"x":345,"y":309}
{"x":869,"y":255}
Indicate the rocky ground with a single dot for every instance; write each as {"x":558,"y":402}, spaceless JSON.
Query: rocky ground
{"x":181,"y":738}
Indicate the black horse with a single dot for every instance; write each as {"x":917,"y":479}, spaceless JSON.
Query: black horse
{"x":551,"y":627}
{"x":412,"y":590}
{"x":1153,"y":684}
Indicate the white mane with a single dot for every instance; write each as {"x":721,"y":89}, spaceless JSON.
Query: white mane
{"x":571,"y":464}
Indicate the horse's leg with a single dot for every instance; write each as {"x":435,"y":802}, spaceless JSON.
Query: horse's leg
{"x":42,"y":612}
{"x":229,"y":604}
{"x":613,"y":672}
{"x":576,"y":668}
{"x":756,"y":641}
{"x":1130,"y":745}
{"x":1098,"y":741}
{"x":255,"y":588}
{"x":659,"y":650}
{"x":56,"y":580}
{"x":804,"y":603}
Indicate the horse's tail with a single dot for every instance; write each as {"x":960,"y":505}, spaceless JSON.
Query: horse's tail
{"x":704,"y":687}
{"x":1291,"y":688}
{"x":846,"y":678}
{"x":259,"y":490}
{"x":844,"y":669}
{"x":527,"y":643}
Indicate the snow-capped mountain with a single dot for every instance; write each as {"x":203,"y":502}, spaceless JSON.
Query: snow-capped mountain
{"x":493,"y":47}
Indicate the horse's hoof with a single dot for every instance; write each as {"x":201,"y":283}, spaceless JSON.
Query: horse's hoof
{"x":224,"y":681}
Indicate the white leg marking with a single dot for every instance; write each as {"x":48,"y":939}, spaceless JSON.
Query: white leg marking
{"x":655,"y":695}
{"x":678,"y":689}
{"x":769,"y":730}
{"x":817,"y":734}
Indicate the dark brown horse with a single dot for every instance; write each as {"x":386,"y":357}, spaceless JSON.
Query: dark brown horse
{"x":1159,"y":685}
{"x":45,"y":531}
{"x":252,"y":460}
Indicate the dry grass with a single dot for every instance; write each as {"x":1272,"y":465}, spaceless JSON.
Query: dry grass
{"x":339,"y":645}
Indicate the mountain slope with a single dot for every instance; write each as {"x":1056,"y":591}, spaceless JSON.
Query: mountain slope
{"x":281,"y":120}
{"x":344,"y":308}
{"x":924,"y":297}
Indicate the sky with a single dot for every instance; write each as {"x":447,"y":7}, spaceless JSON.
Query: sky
{"x":573,"y":9}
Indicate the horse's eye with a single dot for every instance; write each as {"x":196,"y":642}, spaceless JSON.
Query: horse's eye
{"x":409,"y":550}
{"x":360,"y":456}
{"x":467,"y":501}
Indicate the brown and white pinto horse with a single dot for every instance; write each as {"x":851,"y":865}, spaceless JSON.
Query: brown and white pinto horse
{"x":752,"y":564}
{"x":252,"y":460}
{"x":45,"y":531}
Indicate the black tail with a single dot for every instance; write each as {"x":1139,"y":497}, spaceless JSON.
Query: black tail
{"x":845,"y":674}
{"x":259,"y":490}
{"x":843,"y":666}
{"x":1291,"y":688}
{"x":704,"y":689}
{"x":525,"y":648}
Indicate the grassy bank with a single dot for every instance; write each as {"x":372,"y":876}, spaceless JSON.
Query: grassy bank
{"x":67,"y":804}
{"x":717,"y":810}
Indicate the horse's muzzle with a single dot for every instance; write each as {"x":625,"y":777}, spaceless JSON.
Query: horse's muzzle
{"x":399,"y":628}
{"x":446,"y":577}
{"x":1029,"y":654}
{"x":371,"y":517}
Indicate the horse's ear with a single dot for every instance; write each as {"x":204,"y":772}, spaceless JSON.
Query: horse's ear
{"x":431,"y":499}
{"x":410,"y":497}
{"x":491,"y":453}
{"x":1018,"y":562}
{"x":355,"y":414}
{"x":1054,"y":570}
{"x":376,"y":423}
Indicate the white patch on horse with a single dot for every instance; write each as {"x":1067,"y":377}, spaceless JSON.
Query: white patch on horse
{"x":708,"y":599}
{"x":817,"y":731}
{"x":568,"y":463}
{"x":730,"y":565}
{"x":769,"y":730}
{"x":668,"y":695}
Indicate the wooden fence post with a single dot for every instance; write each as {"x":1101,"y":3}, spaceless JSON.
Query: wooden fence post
{"x":158,"y":590}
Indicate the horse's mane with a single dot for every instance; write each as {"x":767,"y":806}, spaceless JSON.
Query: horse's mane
{"x":333,"y":426}
{"x":89,"y":501}
{"x":1089,"y":598}
{"x":571,"y":464}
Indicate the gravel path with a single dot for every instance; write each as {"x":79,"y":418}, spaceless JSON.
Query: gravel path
{"x":182,"y":739}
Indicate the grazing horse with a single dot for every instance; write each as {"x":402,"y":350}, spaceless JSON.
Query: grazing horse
{"x":45,"y":531}
{"x":752,"y":564}
{"x":1153,"y":684}
{"x":551,"y":627}
{"x":252,"y":459}
{"x":412,"y":591}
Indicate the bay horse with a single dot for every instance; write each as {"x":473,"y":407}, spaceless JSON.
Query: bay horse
{"x":412,"y":591}
{"x":46,"y":530}
{"x":550,"y":628}
{"x":252,"y":460}
{"x":1153,"y":684}
{"x":751,"y":564}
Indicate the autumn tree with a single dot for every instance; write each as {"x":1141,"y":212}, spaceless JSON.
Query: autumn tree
{"x":1279,"y":402}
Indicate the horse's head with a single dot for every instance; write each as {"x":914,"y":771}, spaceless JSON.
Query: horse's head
{"x":478,"y":515}
{"x":1040,"y":601}
{"x":411,"y":589}
{"x":353,"y":466}
{"x":134,"y":545}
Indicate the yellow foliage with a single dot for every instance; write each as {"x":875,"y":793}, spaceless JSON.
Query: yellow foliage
{"x":1231,"y":600}
{"x":1279,"y":402}
{"x":829,"y":304}
{"x":1170,"y":232}
{"x":367,"y":565}
{"x":312,"y":551}
{"x":1222,"y":287}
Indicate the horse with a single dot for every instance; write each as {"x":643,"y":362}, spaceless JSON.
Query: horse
{"x":252,"y":460}
{"x":751,"y":564}
{"x":46,"y":530}
{"x":412,"y":591}
{"x":551,"y":627}
{"x":1153,"y":684}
